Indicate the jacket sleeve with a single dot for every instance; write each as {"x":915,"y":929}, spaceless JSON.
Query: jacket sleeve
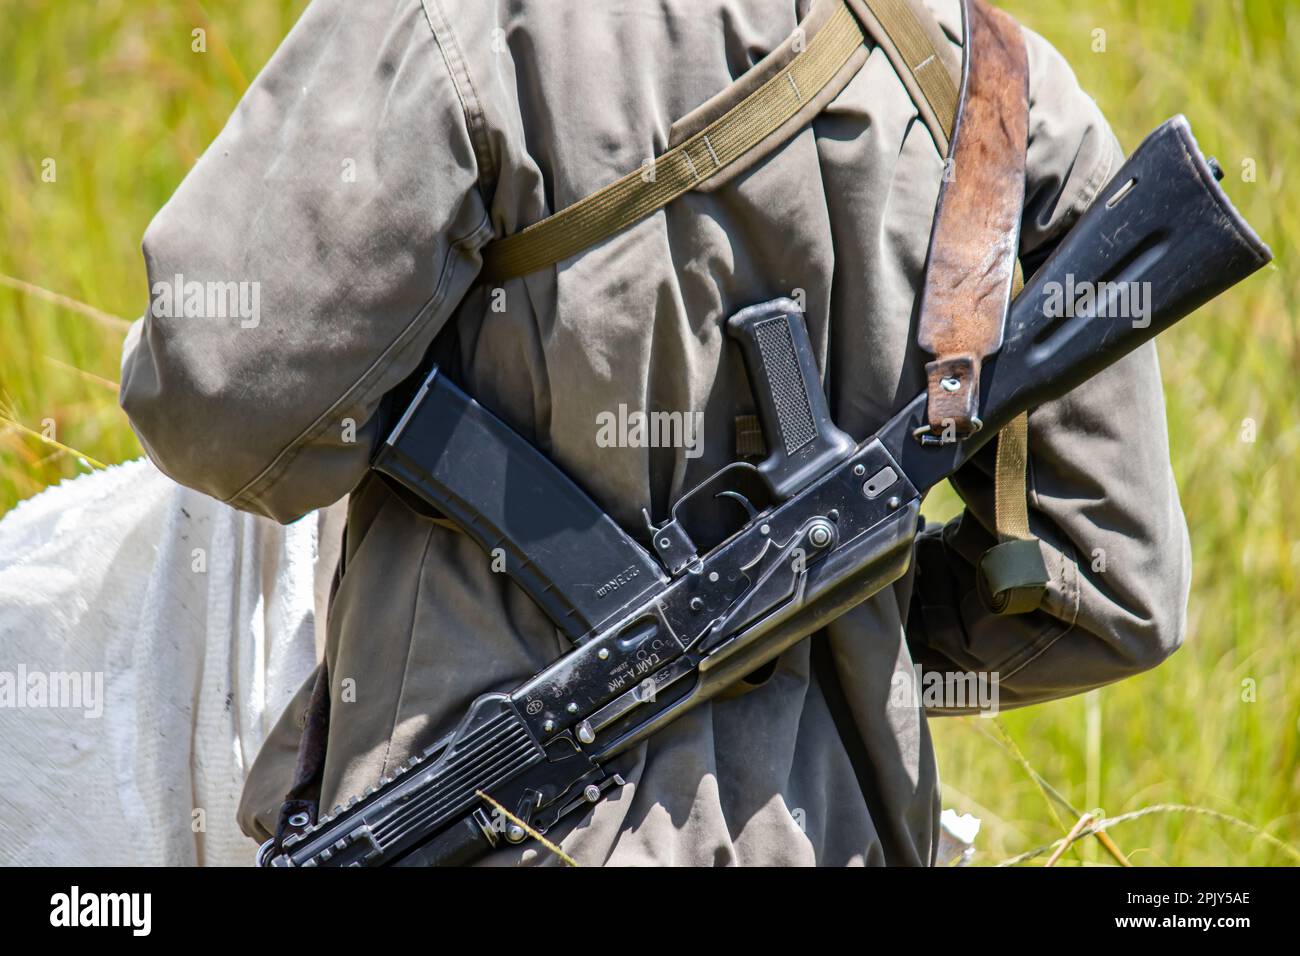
{"x":304,"y":265}
{"x":1101,"y":491}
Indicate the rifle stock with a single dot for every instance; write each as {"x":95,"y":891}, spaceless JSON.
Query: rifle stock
{"x":1162,"y":233}
{"x":1163,"y":224}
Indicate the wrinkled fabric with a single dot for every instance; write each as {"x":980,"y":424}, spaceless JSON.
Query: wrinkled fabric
{"x":358,"y":180}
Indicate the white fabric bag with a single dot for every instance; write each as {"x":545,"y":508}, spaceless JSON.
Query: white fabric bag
{"x":150,"y":636}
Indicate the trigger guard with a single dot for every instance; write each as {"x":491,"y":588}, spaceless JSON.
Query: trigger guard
{"x":676,"y":544}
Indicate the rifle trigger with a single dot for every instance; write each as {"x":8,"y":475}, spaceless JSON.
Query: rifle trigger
{"x":744,"y":502}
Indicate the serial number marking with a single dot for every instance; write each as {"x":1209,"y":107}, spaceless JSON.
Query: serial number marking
{"x":630,"y":672}
{"x":617,"y":581}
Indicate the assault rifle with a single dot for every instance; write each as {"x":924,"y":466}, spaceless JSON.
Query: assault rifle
{"x":828,"y":522}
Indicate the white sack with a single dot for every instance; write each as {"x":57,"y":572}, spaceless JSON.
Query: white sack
{"x":199,"y":624}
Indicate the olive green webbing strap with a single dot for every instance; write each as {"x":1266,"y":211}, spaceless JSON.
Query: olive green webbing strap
{"x":698,"y":158}
{"x":1012,"y":577}
{"x":680,"y":169}
{"x":1011,"y":497}
{"x":898,"y":20}
{"x":1011,"y":500}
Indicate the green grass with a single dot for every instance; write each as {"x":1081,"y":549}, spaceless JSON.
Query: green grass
{"x":113,"y":93}
{"x":1182,"y":734}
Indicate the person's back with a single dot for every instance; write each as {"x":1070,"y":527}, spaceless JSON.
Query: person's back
{"x":385,"y":145}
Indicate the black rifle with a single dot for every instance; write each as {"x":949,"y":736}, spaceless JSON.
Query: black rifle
{"x":829,"y":523}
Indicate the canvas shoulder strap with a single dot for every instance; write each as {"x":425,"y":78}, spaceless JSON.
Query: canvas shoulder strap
{"x":821,"y":57}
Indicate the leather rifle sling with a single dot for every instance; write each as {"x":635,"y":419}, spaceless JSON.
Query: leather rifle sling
{"x":972,"y":273}
{"x":975,"y":238}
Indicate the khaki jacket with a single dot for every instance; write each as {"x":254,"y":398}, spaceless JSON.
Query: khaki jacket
{"x":362,"y":173}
